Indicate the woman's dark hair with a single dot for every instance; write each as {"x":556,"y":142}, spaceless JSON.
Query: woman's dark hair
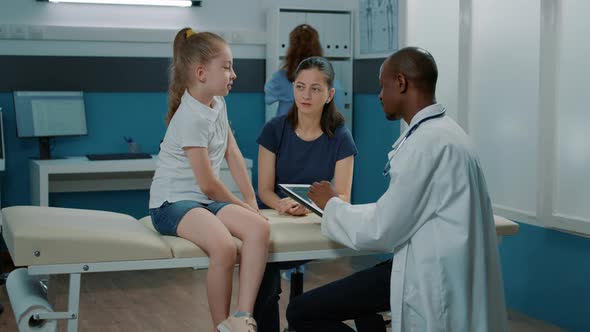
{"x":331,"y":118}
{"x":304,"y":41}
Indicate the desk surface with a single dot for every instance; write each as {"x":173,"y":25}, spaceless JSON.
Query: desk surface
{"x":78,"y":174}
{"x":72,"y":165}
{"x":42,"y":170}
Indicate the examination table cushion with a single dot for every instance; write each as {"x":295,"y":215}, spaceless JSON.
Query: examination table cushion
{"x":48,"y":235}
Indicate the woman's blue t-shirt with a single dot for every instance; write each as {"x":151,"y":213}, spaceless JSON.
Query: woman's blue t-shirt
{"x":303,"y":162}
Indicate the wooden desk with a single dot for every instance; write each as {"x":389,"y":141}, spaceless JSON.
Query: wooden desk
{"x":78,"y":174}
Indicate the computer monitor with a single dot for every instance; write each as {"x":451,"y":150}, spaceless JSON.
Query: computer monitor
{"x":44,"y":115}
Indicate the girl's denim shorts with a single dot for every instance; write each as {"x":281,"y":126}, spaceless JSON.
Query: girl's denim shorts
{"x":167,"y":217}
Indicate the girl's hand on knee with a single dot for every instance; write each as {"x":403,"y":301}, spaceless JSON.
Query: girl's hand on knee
{"x":262,"y":215}
{"x":254,"y":209}
{"x":253,"y":204}
{"x":249,"y":208}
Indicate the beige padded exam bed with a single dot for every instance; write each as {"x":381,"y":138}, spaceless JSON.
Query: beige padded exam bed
{"x":49,"y":240}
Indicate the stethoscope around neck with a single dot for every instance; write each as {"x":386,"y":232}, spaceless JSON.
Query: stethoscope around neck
{"x":408,"y":133}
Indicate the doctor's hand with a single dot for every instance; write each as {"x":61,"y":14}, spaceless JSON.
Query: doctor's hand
{"x":321,"y":192}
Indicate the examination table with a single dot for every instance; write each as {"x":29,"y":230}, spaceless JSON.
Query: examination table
{"x":49,"y":241}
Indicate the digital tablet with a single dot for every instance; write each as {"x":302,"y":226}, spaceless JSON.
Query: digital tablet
{"x":298,"y":192}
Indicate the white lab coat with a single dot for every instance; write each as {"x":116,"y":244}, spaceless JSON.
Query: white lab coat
{"x":436,"y":217}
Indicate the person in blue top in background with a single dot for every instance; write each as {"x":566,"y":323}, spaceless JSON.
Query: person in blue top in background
{"x":304,"y":42}
{"x":308,"y":144}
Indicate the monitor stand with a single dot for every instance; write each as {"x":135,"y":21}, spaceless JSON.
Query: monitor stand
{"x":44,"y":148}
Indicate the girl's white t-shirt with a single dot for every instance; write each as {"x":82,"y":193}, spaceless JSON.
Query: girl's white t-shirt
{"x":193,"y":125}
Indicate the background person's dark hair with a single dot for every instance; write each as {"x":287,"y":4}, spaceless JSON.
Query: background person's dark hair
{"x":304,"y":41}
{"x":331,"y":118}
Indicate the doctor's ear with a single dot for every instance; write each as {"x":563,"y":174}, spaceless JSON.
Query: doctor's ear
{"x":402,"y":82}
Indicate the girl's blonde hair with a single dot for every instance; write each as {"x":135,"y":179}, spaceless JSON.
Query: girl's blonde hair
{"x":190,"y":48}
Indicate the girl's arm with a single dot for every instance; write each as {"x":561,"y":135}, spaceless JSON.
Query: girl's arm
{"x":343,"y":177}
{"x":238,"y":170}
{"x":210,"y":185}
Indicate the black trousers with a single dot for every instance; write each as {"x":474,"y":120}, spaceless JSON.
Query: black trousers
{"x":359,"y":296}
{"x":266,"y":308}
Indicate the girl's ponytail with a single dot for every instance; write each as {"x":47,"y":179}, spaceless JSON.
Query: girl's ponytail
{"x":190,"y":48}
{"x":177,"y":83}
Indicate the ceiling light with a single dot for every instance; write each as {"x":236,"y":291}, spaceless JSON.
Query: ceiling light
{"x":169,"y":3}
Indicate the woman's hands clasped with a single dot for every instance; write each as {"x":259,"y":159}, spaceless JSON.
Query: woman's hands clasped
{"x":289,"y":206}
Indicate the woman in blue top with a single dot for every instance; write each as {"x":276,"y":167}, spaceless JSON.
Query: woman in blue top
{"x":308,"y":144}
{"x":304,"y":42}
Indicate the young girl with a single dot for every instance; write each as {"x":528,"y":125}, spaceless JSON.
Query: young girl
{"x":187,"y":199}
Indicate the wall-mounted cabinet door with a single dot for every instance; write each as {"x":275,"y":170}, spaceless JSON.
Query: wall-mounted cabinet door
{"x":343,"y":76}
{"x":287,"y":22}
{"x":317,"y":21}
{"x":334,"y":30}
{"x":337,"y":31}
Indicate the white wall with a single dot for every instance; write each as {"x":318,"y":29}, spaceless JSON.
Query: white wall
{"x":434,"y":26}
{"x":516,"y":72}
{"x":572,"y":154}
{"x":214,"y":14}
{"x":28,"y":27}
{"x":504,"y":98}
{"x":108,"y":30}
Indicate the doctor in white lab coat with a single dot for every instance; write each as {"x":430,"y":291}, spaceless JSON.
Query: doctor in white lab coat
{"x":436,"y":215}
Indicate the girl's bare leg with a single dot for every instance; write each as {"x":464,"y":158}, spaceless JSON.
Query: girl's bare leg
{"x":254,"y":231}
{"x":206,"y":231}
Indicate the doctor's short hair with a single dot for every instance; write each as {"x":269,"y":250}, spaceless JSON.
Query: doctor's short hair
{"x":331,"y":117}
{"x":417,"y":65}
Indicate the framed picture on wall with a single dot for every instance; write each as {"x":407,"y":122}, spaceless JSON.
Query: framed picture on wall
{"x":377,"y":31}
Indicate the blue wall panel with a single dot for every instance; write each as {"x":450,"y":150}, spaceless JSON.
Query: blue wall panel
{"x":110,"y":116}
{"x":547,"y":276}
{"x":374,"y":135}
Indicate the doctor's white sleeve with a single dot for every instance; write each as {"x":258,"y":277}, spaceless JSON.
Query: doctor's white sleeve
{"x":396,"y":216}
